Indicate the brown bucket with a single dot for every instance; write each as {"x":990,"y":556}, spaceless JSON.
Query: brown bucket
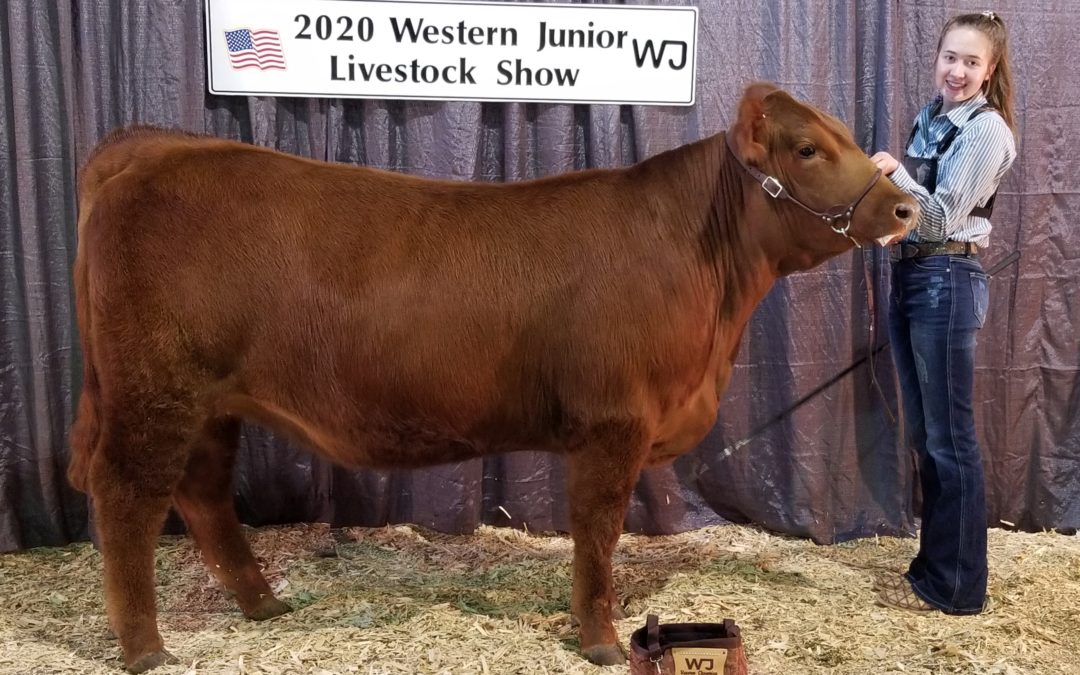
{"x":687,"y":649}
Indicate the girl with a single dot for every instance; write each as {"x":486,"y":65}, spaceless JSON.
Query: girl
{"x":960,"y":147}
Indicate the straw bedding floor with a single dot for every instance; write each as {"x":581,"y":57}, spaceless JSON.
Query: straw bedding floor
{"x":407,"y":600}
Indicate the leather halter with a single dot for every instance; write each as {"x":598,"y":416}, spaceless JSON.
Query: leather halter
{"x":777,"y":191}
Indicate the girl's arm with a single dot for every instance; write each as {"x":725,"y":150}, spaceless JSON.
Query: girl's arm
{"x":967,"y":175}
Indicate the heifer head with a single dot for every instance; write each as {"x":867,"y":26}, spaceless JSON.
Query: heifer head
{"x":820,"y":189}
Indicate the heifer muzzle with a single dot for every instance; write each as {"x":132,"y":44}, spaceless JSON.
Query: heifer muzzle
{"x":837,"y":217}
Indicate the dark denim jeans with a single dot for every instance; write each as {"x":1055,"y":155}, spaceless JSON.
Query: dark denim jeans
{"x":936,"y":306}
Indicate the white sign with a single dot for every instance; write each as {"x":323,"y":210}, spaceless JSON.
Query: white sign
{"x":472,"y":51}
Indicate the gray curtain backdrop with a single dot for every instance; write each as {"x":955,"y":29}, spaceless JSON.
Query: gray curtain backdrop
{"x":72,"y":70}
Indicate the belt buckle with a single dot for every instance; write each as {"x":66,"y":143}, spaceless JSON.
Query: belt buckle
{"x":908,"y":251}
{"x":964,"y":248}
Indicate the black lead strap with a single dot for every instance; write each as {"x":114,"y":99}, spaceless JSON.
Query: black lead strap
{"x":1003,"y":263}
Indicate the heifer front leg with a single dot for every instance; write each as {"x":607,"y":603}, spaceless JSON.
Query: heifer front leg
{"x":601,"y":478}
{"x":204,"y":500}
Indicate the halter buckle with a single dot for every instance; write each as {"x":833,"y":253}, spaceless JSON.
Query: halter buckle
{"x":772,"y":186}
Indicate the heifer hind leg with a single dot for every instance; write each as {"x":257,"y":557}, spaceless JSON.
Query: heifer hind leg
{"x":601,"y":478}
{"x":204,"y":499}
{"x":131,"y":477}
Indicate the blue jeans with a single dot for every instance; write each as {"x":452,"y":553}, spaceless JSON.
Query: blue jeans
{"x":936,"y":306}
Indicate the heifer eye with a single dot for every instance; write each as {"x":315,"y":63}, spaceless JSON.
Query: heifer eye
{"x":807,"y":151}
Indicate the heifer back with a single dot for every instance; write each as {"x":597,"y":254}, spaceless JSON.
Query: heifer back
{"x":391,"y":321}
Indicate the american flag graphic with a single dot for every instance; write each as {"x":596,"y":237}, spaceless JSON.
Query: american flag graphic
{"x":255,"y":49}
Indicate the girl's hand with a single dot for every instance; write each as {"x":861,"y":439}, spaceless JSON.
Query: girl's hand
{"x":886,"y":162}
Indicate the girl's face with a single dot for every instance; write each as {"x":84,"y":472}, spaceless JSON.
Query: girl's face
{"x":963,"y":65}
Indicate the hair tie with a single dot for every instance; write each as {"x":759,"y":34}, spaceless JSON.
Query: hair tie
{"x":990,"y":15}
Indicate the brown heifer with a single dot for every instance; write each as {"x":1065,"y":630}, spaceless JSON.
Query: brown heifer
{"x":386,"y":320}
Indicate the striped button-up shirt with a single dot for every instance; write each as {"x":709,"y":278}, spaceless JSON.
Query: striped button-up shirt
{"x":968,"y":173}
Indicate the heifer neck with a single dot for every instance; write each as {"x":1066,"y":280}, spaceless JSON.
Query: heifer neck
{"x":740,"y":256}
{"x":838,"y":218}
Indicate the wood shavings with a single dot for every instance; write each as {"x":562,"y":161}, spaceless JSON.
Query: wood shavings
{"x":404,"y":599}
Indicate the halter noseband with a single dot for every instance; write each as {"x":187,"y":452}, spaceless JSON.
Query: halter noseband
{"x":777,"y":191}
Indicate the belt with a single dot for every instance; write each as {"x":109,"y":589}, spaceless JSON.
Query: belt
{"x":928,"y":248}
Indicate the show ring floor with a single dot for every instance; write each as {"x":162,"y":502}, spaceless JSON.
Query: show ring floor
{"x":407,"y":600}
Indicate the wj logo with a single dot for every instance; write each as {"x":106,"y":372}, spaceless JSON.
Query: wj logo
{"x":647,"y":50}
{"x":699,"y":661}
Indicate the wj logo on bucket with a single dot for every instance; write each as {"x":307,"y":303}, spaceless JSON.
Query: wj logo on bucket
{"x":699,"y":661}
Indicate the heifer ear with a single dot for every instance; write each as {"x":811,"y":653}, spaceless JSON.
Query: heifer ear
{"x":748,"y":132}
{"x":782,"y":106}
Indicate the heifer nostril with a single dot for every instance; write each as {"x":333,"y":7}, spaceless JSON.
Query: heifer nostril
{"x":903,"y":211}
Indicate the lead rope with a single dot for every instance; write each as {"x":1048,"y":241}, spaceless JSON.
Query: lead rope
{"x":872,"y":349}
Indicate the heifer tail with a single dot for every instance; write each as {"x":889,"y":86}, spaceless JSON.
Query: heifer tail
{"x":87,"y":428}
{"x":86,"y":431}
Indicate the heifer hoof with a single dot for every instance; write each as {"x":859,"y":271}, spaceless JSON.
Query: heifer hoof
{"x":605,"y":655}
{"x":268,"y":609}
{"x":152,"y":660}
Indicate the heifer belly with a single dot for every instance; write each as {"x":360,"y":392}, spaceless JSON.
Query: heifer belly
{"x":410,"y":392}
{"x":384,"y":418}
{"x":381,"y":442}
